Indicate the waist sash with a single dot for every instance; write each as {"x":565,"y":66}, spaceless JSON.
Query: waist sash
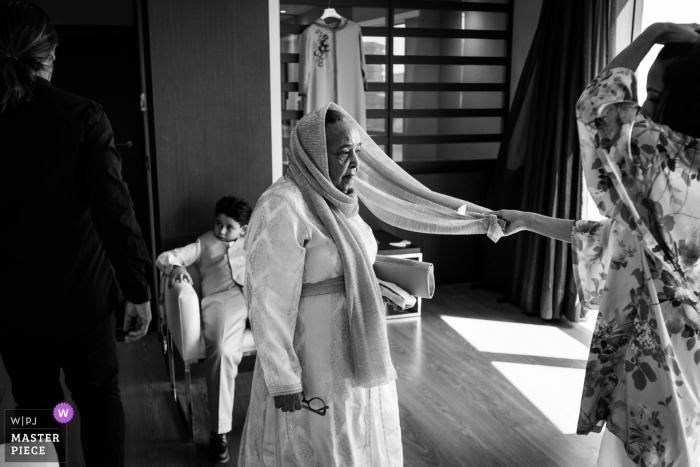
{"x":329,"y":286}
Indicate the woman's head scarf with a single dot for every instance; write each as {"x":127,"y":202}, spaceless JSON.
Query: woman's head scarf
{"x":394,"y":197}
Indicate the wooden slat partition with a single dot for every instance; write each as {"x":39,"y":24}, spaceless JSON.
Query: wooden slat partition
{"x":391,"y":135}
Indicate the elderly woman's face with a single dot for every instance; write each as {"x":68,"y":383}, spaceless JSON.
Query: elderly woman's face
{"x":342,"y":146}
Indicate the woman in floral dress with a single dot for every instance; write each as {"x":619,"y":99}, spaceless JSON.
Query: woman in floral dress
{"x":641,"y":265}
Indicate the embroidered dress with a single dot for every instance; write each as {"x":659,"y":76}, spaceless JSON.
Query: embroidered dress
{"x":304,"y":344}
{"x":640,"y":267}
{"x":332,"y":68}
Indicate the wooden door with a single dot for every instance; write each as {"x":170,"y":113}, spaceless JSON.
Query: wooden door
{"x":101,"y":63}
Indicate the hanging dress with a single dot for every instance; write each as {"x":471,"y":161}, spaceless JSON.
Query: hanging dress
{"x":332,"y":68}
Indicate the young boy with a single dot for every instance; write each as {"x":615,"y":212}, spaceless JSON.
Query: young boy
{"x":220,"y":259}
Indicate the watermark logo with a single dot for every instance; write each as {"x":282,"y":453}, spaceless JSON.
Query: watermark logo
{"x":37,"y":435}
{"x":63,"y":412}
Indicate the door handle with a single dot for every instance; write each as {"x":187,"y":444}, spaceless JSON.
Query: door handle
{"x":128,"y":144}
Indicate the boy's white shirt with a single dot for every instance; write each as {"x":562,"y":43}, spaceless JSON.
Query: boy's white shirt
{"x":190,"y":254}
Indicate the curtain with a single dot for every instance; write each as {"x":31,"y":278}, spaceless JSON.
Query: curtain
{"x":539,"y":165}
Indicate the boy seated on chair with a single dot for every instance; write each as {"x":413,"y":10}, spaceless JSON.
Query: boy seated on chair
{"x":220,"y":259}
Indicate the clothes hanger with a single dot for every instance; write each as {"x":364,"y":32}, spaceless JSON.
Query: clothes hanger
{"x":330,"y":13}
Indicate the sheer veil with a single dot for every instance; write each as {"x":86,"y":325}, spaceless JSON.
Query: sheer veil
{"x":394,"y":197}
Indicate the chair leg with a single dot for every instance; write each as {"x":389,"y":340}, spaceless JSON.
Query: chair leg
{"x":186,"y":414}
{"x":188,"y":389}
{"x":171,"y":358}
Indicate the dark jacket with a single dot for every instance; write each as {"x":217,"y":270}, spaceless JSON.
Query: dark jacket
{"x":68,"y":225}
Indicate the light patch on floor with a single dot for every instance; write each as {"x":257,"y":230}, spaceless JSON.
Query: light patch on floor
{"x":554,"y":391}
{"x":591,"y":317}
{"x":517,"y":338}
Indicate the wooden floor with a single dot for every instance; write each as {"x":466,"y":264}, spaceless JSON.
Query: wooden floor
{"x":459,"y":406}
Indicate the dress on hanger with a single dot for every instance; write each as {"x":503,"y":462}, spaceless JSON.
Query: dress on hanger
{"x":332,"y":67}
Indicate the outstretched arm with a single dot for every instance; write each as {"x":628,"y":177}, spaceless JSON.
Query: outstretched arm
{"x":657,"y":33}
{"x":558,"y":229}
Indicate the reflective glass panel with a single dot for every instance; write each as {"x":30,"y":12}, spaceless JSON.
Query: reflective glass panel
{"x":289,"y":44}
{"x":376,"y":126}
{"x":447,"y":100}
{"x":449,"y":74}
{"x":472,"y":1}
{"x":307,"y":14}
{"x":376,"y":73}
{"x":437,"y":19}
{"x":444,"y":152}
{"x":375,"y":100}
{"x":372,"y":45}
{"x":449,"y":47}
{"x":448,"y":126}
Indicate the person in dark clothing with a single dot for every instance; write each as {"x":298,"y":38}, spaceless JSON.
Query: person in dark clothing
{"x":72,"y":247}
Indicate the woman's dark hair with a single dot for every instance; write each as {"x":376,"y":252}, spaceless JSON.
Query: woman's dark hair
{"x":679,"y":104}
{"x":27,"y":38}
{"x":333,"y":116}
{"x":236,"y":208}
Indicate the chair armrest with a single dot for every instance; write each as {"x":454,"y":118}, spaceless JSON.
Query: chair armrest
{"x":183,"y":316}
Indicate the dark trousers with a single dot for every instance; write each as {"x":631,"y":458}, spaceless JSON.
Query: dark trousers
{"x":89,"y":362}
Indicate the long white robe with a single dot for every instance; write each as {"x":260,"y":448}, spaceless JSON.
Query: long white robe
{"x":304,"y":344}
{"x":332,"y":68}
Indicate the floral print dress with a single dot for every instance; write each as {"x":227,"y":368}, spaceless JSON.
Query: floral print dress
{"x":640,"y":267}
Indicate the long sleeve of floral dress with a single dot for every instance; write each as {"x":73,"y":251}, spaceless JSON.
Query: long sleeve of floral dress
{"x":640,"y":267}
{"x":274,"y":271}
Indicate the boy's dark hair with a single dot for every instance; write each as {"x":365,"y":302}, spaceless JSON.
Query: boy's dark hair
{"x":234,"y":207}
{"x":679,"y":103}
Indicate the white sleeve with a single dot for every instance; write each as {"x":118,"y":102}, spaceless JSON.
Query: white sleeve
{"x":275,"y":266}
{"x":185,"y":256}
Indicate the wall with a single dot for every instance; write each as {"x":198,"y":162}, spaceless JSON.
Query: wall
{"x":210,"y":72}
{"x":277,"y":153}
{"x":89,"y":12}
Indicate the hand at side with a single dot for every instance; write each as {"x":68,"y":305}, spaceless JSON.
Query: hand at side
{"x":179,"y":274}
{"x":137,"y":317}
{"x":290,"y":403}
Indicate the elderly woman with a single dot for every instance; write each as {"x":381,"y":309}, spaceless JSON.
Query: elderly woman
{"x":641,"y":265}
{"x":314,"y":302}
